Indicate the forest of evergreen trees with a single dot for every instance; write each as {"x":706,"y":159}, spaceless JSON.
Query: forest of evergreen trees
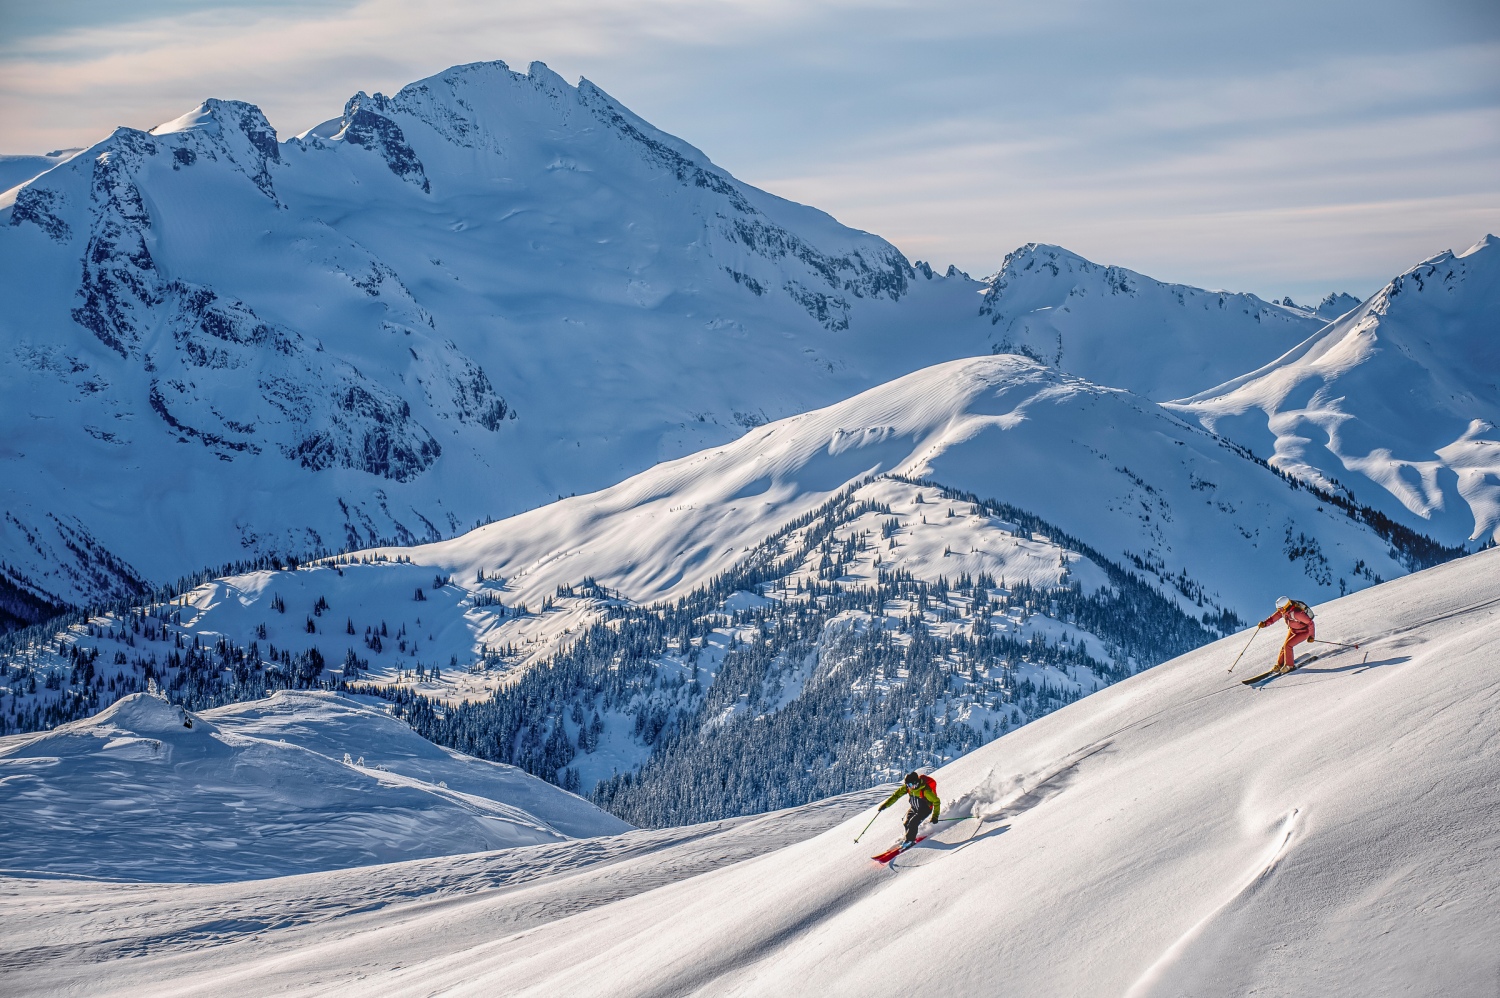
{"x":187,"y":672}
{"x":890,"y":676}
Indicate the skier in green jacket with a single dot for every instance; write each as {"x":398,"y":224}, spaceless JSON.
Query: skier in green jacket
{"x":924,"y":801}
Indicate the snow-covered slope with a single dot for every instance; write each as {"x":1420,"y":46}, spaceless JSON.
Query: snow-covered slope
{"x":1396,"y":403}
{"x":489,"y":290}
{"x":1335,"y":833}
{"x":19,"y":169}
{"x":1208,"y":526}
{"x":792,"y":542}
{"x":1115,"y":327}
{"x":454,"y":304}
{"x":1118,"y":472}
{"x":295,"y":783}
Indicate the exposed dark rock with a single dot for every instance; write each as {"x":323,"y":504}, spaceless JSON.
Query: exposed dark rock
{"x":159,"y":406}
{"x":475,"y":400}
{"x":119,"y":274}
{"x":35,"y":205}
{"x":365,"y":127}
{"x":830,"y":310}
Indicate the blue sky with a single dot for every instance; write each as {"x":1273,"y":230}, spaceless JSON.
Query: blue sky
{"x":1276,"y":147}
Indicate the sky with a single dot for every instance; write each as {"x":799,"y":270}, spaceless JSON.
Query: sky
{"x":1285,"y":147}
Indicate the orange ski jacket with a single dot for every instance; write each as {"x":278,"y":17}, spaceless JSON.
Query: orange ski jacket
{"x":1298,"y":620}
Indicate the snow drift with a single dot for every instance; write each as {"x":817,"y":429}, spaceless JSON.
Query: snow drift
{"x":303,"y":781}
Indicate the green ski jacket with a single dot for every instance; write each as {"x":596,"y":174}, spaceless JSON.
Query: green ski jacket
{"x":927,"y":790}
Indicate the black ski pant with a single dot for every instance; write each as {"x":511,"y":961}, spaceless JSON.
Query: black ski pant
{"x":920,"y":808}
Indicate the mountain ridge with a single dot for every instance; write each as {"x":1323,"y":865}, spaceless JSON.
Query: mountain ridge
{"x":447,"y":306}
{"x":1399,"y":394}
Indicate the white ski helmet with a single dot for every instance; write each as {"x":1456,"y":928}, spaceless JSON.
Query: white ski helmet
{"x":1282,"y":602}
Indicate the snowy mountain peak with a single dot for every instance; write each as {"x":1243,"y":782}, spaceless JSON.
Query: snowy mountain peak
{"x":1032,"y":255}
{"x":204,"y":303}
{"x":216,"y":116}
{"x":541,"y":76}
{"x":366,"y":123}
{"x":234,"y":130}
{"x":1117,"y":327}
{"x":1335,"y":304}
{"x":1487,"y":243}
{"x":1403,"y":391}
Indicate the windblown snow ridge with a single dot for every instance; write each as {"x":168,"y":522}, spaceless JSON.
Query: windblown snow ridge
{"x":303,"y":781}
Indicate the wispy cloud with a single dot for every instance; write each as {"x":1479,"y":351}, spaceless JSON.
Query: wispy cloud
{"x":1281,"y":148}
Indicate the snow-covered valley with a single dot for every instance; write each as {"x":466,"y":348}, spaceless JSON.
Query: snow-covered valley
{"x":1177,"y":833}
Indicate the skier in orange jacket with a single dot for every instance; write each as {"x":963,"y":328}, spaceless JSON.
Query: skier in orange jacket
{"x":1299,"y":628}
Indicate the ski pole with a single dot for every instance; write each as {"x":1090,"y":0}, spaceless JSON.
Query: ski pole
{"x":1325,"y":641}
{"x":1244,"y":649}
{"x":867,"y":827}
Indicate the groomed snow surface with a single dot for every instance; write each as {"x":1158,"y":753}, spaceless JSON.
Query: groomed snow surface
{"x":1334,"y":833}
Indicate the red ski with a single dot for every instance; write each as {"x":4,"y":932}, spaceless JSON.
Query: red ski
{"x":896,"y":850}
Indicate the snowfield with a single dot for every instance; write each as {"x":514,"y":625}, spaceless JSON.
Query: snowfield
{"x":298,"y":782}
{"x":1335,"y":832}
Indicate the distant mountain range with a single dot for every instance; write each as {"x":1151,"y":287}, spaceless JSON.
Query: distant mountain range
{"x":457,"y":303}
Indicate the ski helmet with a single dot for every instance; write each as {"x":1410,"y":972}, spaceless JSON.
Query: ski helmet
{"x":1282,"y":602}
{"x":913,"y":779}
